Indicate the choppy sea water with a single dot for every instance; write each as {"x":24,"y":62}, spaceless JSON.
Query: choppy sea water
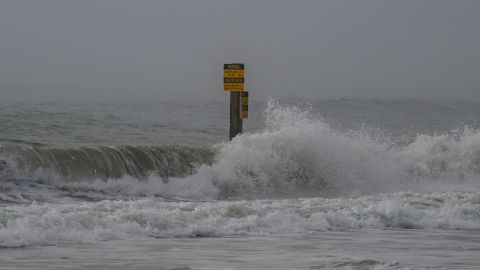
{"x":330,"y":184}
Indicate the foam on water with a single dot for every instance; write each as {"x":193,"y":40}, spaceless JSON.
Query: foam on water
{"x":48,"y":223}
{"x":298,"y":175}
{"x":300,"y":155}
{"x":296,"y":155}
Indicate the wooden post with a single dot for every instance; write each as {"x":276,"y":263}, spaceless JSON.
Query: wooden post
{"x":234,"y":81}
{"x":235,"y":116}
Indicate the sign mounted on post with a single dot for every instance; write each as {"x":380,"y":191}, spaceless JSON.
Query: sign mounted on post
{"x":244,"y":104}
{"x":233,"y":77}
{"x":234,"y":82}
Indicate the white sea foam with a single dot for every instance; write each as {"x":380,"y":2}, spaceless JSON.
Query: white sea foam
{"x":349,"y":181}
{"x":41,"y":224}
{"x":297,"y":154}
{"x":300,"y":155}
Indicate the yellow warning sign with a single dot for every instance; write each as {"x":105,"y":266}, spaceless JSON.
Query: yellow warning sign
{"x":234,"y":66}
{"x":244,"y":102}
{"x":233,"y":73}
{"x":233,"y":86}
{"x":233,"y":80}
{"x":234,"y":77}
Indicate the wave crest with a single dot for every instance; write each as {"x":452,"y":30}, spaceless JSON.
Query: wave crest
{"x":296,"y":155}
{"x":101,"y":162}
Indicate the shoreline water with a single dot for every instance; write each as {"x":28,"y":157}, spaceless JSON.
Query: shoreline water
{"x":361,"y":250}
{"x":304,"y":190}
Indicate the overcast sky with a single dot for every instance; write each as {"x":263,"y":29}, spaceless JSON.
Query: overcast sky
{"x":308,"y":49}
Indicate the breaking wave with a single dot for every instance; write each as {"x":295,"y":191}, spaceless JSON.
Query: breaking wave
{"x":296,"y":155}
{"x":298,"y":175}
{"x":101,"y":162}
{"x":47,"y":224}
{"x":300,"y":155}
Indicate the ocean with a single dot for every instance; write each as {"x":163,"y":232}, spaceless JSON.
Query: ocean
{"x":318,"y":184}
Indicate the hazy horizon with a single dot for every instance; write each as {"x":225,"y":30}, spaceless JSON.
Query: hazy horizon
{"x":107,"y":49}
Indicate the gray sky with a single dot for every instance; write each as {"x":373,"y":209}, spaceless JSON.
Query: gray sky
{"x":308,"y":49}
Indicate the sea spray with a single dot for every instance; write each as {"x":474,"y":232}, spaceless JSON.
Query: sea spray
{"x":296,"y":155}
{"x":299,"y":175}
{"x":454,"y":158}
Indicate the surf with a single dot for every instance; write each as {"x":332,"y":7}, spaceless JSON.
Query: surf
{"x":296,"y":155}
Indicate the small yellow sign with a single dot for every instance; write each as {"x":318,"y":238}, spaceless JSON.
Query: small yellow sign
{"x":234,"y":66}
{"x":233,"y":80}
{"x":233,"y":73}
{"x":233,"y":86}
{"x":234,"y":77}
{"x":244,"y":103}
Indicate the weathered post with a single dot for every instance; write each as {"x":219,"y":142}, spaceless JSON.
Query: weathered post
{"x":236,"y":123}
{"x":234,"y":82}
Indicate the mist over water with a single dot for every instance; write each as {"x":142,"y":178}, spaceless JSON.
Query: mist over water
{"x":114,"y":150}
